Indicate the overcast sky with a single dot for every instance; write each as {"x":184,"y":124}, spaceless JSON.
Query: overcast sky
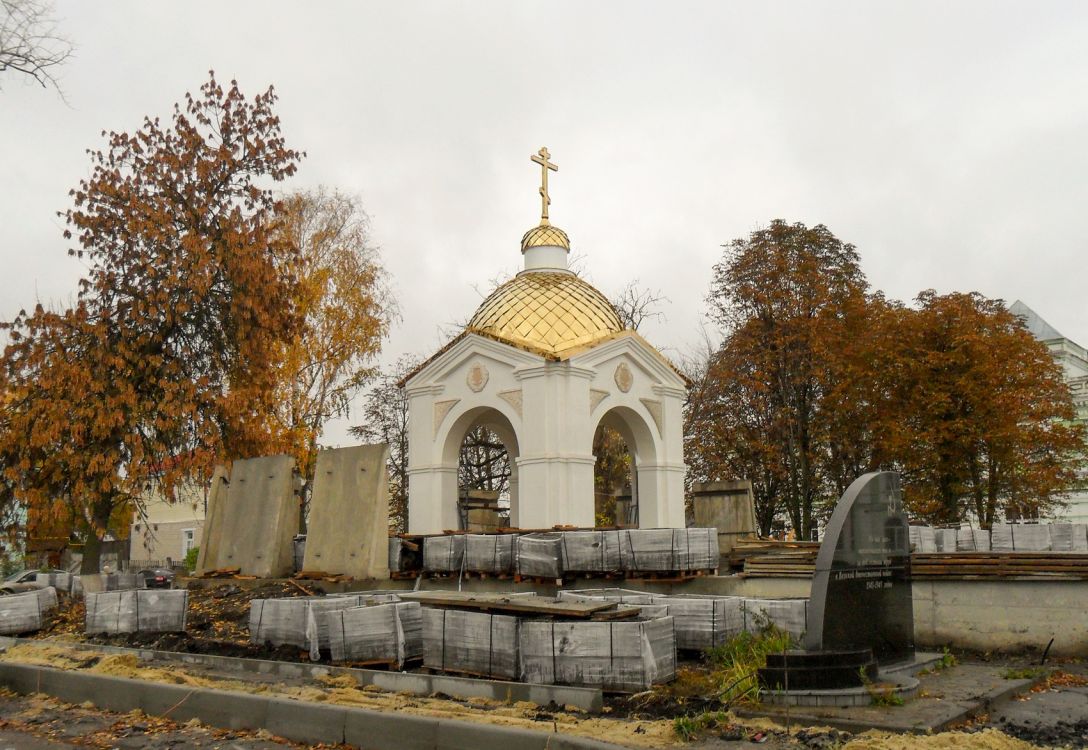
{"x":945,"y":140}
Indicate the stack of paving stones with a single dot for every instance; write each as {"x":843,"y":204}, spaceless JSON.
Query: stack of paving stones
{"x":303,"y":621}
{"x":474,"y":643}
{"x":540,"y":555}
{"x":106,"y":582}
{"x":444,"y":554}
{"x":25,"y":613}
{"x":390,"y":634}
{"x":494,"y":554}
{"x":703,"y":622}
{"x":59,"y":581}
{"x":551,"y":555}
{"x":625,"y":656}
{"x":1003,"y":537}
{"x":136,"y":611}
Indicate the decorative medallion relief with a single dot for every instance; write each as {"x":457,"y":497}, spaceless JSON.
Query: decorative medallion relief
{"x":441,"y":409}
{"x":513,"y":398}
{"x":624,"y":377}
{"x":654,"y":407}
{"x":595,"y":398}
{"x":477,"y":377}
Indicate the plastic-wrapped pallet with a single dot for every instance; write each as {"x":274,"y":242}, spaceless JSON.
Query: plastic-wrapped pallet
{"x":649,"y":550}
{"x":137,"y":611}
{"x":59,"y":581}
{"x":620,"y":655}
{"x":790,"y":615}
{"x":444,"y":554}
{"x":591,"y":551}
{"x":701,"y":622}
{"x":1001,"y":537}
{"x":696,"y":549}
{"x":299,"y":621}
{"x":24,"y":613}
{"x":540,"y":555}
{"x":1080,"y":537}
{"x":923,"y":539}
{"x":391,"y":633}
{"x":982,"y":540}
{"x":704,"y":622}
{"x":965,"y":539}
{"x":1061,"y":537}
{"x":946,"y":540}
{"x":476,"y":643}
{"x":625,"y":596}
{"x":1031,"y":537}
{"x":490,"y":553}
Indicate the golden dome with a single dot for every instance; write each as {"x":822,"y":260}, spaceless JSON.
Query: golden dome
{"x":547,"y":312}
{"x":543,"y":236}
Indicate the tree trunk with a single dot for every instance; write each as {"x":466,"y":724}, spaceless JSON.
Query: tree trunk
{"x":92,"y":548}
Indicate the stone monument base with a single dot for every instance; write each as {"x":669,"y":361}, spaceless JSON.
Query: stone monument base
{"x":818,"y":670}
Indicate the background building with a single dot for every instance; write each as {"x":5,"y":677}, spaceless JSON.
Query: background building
{"x":171,"y":527}
{"x":1074,"y":361}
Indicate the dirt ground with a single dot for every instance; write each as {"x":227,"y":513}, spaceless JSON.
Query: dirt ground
{"x":218,"y":624}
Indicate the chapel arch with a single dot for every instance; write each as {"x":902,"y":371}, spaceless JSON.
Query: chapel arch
{"x":500,"y":426}
{"x":641,"y":443}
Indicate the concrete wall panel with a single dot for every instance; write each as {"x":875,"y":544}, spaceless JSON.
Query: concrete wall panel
{"x":348,"y":528}
{"x":260,"y":519}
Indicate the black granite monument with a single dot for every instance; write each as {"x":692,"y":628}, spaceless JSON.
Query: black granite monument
{"x":861,"y":593}
{"x":860,"y":610}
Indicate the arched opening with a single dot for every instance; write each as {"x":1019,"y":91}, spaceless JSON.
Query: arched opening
{"x":483,"y":446}
{"x":483,"y":480}
{"x":614,"y":479}
{"x":623,"y":478}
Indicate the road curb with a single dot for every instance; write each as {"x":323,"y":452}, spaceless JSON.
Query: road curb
{"x":587,"y":699}
{"x":299,"y":721}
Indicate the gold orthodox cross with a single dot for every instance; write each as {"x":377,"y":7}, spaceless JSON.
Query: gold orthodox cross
{"x":541,"y":158}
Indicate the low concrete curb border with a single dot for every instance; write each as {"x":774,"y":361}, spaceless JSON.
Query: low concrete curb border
{"x":586,"y":699}
{"x":293,"y":720}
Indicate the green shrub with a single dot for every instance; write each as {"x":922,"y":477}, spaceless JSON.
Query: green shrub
{"x":191,"y":558}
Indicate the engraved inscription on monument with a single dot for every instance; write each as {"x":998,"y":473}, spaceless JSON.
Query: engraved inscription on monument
{"x":861,"y":593}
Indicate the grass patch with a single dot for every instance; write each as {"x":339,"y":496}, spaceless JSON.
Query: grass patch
{"x":1023,"y":673}
{"x":735,"y":662}
{"x":947,"y":660}
{"x":688,"y":728}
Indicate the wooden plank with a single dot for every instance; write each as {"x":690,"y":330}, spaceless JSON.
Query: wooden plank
{"x":499,"y":603}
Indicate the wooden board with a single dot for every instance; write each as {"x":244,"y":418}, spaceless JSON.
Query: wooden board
{"x":500,"y":604}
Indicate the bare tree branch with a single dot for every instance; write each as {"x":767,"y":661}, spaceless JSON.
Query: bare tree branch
{"x":29,"y":42}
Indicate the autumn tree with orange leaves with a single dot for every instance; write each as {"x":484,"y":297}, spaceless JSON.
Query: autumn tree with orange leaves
{"x":166,"y":362}
{"x":988,"y":420}
{"x":788,"y":297}
{"x":345,"y":307}
{"x":819,"y":380}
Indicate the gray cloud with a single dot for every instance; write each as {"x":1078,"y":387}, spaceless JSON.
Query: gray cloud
{"x":944,"y":139}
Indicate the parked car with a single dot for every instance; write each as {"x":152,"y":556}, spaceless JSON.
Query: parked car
{"x":24,"y":580}
{"x":156,"y":578}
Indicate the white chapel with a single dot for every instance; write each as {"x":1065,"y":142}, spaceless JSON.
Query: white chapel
{"x":543,"y":362}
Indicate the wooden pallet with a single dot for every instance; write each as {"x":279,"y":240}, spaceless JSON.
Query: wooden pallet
{"x":1062,"y":565}
{"x":669,"y":576}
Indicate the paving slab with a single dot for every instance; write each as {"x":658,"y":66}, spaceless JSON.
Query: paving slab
{"x":946,"y":698}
